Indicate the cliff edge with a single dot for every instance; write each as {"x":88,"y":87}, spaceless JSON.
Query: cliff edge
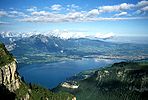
{"x":13,"y":88}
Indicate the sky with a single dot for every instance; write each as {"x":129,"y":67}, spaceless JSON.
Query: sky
{"x":97,"y":17}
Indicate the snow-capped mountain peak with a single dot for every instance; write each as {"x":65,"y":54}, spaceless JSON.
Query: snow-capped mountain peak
{"x":57,"y":33}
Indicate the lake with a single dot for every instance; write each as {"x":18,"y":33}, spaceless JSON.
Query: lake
{"x":50,"y":75}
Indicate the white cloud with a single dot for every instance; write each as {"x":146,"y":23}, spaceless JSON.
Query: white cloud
{"x":104,"y":36}
{"x":93,"y":12}
{"x":123,"y":6}
{"x":56,"y":7}
{"x":43,"y":16}
{"x":16,"y":14}
{"x":3,"y":13}
{"x":142,"y":3}
{"x":32,"y":9}
{"x":82,"y":16}
{"x":4,"y":23}
{"x":145,"y":8}
{"x":72,"y":7}
{"x":141,"y":8}
{"x":120,"y":14}
{"x":40,"y":13}
{"x":75,"y":15}
{"x":115,"y":19}
{"x":137,"y":12}
{"x":13,"y":13}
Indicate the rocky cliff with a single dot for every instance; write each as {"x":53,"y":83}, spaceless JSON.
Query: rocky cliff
{"x":9,"y":76}
{"x":13,"y":88}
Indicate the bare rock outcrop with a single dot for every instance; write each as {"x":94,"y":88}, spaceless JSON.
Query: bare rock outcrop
{"x":9,"y":76}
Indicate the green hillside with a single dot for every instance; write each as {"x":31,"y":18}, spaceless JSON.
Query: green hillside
{"x":121,"y":81}
{"x":5,"y":56}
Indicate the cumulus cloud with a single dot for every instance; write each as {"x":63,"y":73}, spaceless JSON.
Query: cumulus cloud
{"x":93,"y":12}
{"x":3,"y":13}
{"x":145,"y":8}
{"x":40,"y":13}
{"x":43,"y":16}
{"x":74,"y":15}
{"x":120,"y":14}
{"x":123,"y":6}
{"x":16,"y":14}
{"x":142,"y":7}
{"x":79,"y":16}
{"x":56,"y":7}
{"x":142,"y":3}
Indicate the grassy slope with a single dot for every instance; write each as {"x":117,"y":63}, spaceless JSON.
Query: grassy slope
{"x":39,"y":93}
{"x":5,"y":56}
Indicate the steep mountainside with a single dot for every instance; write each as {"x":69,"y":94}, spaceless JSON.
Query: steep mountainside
{"x":55,"y":44}
{"x":121,"y":81}
{"x":13,"y":88}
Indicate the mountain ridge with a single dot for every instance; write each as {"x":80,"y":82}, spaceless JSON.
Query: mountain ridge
{"x":74,"y":47}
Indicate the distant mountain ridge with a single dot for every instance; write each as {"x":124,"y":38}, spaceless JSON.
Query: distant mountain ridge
{"x":56,"y":33}
{"x":51,"y":44}
{"x":81,"y":47}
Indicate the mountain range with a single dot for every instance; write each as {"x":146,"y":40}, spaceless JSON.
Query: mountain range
{"x":22,"y":45}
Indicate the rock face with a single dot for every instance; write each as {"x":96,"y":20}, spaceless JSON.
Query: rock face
{"x":72,"y":85}
{"x":11,"y":80}
{"x":9,"y":76}
{"x":27,"y":97}
{"x":74,"y":98}
{"x":13,"y":88}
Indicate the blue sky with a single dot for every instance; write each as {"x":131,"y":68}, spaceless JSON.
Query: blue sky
{"x":119,"y":17}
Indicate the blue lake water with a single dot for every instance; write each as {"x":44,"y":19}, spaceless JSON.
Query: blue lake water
{"x":50,"y":75}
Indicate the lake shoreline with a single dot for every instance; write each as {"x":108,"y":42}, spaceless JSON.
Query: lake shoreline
{"x":51,"y":75}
